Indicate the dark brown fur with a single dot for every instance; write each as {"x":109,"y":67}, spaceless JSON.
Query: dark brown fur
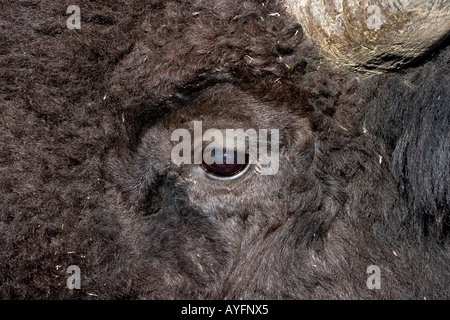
{"x":86,"y":177}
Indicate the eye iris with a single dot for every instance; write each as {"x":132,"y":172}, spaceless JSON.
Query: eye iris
{"x":229,"y":166}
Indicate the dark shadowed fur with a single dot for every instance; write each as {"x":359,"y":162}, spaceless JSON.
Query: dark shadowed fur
{"x":86,"y":177}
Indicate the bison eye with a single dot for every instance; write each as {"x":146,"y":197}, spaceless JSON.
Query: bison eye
{"x":224,"y":165}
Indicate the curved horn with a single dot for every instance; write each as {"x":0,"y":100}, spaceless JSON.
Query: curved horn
{"x":373,"y":34}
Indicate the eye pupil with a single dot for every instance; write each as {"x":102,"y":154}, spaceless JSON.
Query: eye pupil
{"x":227,"y":168}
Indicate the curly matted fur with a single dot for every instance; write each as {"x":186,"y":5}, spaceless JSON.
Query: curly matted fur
{"x":86,"y":177}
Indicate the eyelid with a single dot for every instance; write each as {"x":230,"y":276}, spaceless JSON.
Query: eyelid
{"x":235,"y":151}
{"x":219,"y":158}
